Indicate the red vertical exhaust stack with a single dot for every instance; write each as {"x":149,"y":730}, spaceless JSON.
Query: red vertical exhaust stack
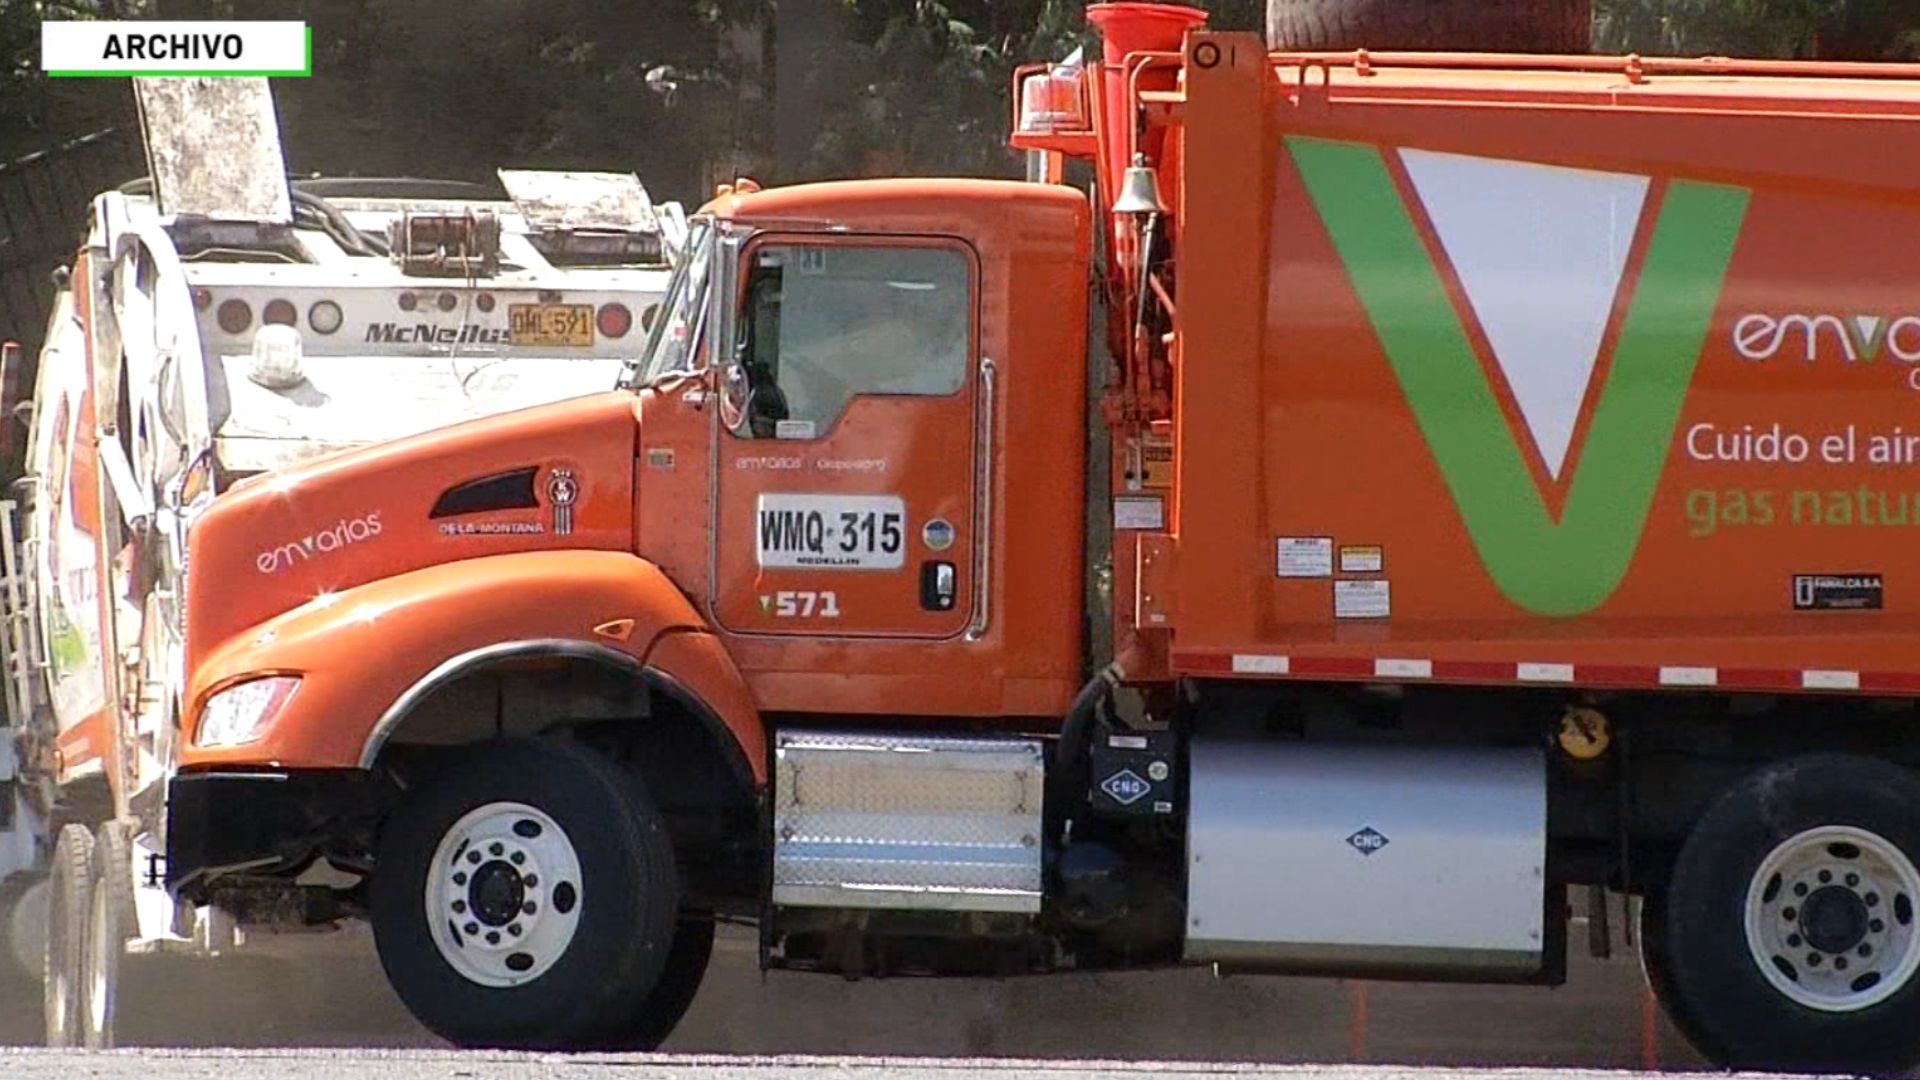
{"x":1132,"y":28}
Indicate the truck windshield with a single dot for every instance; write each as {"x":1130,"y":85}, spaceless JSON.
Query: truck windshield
{"x":672,"y":343}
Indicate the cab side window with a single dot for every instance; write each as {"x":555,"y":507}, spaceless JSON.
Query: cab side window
{"x":824,"y":323}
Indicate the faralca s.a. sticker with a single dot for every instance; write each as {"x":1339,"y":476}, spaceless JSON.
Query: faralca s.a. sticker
{"x":938,"y":534}
{"x":1838,"y":592}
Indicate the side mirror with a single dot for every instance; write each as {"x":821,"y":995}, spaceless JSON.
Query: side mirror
{"x":736,"y":391}
{"x":750,"y":402}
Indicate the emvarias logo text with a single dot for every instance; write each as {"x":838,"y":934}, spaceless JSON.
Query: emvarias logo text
{"x":321,"y":542}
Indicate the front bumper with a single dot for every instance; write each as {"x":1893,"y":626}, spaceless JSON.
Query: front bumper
{"x":266,"y":822}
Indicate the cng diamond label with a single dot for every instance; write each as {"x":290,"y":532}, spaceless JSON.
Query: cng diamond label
{"x":1367,"y":840}
{"x":1126,"y":787}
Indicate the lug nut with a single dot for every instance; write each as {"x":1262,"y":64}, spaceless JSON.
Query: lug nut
{"x":1852,"y":880}
{"x":1813,"y":959}
{"x":1826,"y":876}
{"x":460,"y":878}
{"x":1800,"y":889}
{"x":514,"y":929}
{"x":495,"y":849}
{"x":1876,"y":926}
{"x":1839,"y":963}
{"x":1793,"y":941}
{"x":473,"y":928}
{"x":1789,"y":913}
{"x":459,"y":907}
{"x":530,"y":908}
{"x":493,"y":938}
{"x":473,"y":856}
{"x":517,"y":858}
{"x":1866,"y":950}
{"x":531,"y":881}
{"x":1873,"y":899}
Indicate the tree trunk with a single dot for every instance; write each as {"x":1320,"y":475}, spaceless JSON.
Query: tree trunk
{"x":803,"y":35}
{"x":1558,"y":26}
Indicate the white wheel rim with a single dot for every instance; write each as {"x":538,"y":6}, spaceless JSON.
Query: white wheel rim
{"x":1830,"y":919}
{"x":99,"y":990}
{"x":57,"y":1003}
{"x":503,"y":896}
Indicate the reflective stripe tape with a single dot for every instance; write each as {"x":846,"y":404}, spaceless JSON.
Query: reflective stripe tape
{"x":1689,"y":676}
{"x":1830,"y":680}
{"x":1493,"y":672}
{"x":1403,"y":669}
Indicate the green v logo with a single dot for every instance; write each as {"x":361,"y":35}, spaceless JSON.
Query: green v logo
{"x":1567,"y":565}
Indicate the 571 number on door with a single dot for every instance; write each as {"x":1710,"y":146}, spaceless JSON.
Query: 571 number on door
{"x":801,"y":604}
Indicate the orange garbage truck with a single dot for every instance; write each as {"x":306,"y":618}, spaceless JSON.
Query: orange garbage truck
{"x":1498,"y":480}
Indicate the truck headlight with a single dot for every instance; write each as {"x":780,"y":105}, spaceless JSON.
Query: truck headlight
{"x":237,"y":715}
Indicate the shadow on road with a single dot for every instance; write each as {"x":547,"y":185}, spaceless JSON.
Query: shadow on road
{"x":328,"y":990}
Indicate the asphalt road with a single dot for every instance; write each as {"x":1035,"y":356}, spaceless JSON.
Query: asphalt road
{"x":417,"y":1065}
{"x":327,"y":991}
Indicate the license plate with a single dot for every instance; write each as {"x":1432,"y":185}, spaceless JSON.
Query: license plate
{"x":550,"y":324}
{"x":830,"y":532}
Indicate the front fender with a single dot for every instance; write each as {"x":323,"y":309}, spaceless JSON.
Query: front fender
{"x":361,"y":650}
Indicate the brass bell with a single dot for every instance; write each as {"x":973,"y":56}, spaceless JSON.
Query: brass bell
{"x":1139,"y":190}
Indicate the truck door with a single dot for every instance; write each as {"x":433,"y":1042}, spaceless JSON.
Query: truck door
{"x":850,"y":414}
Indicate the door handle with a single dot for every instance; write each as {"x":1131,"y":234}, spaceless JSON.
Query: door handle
{"x":938,"y":585}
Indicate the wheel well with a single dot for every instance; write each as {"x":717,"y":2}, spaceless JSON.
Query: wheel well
{"x":689,"y":763}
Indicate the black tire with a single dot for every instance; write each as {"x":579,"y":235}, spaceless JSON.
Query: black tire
{"x":1558,"y":26}
{"x":673,"y":994}
{"x":1715,"y":984}
{"x":110,"y":926}
{"x":68,"y":907}
{"x":1657,"y":966}
{"x":628,"y":897}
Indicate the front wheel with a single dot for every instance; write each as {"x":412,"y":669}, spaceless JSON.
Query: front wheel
{"x":673,"y":993}
{"x":1788,"y":932}
{"x":525,"y":898}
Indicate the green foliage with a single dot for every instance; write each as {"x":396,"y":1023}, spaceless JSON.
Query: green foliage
{"x":36,"y":112}
{"x":689,"y":91}
{"x":1806,"y":29}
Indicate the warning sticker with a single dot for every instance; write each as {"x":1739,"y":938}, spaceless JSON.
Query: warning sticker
{"x":1156,"y":461}
{"x":1303,"y":556}
{"x":1361,"y":600}
{"x":1139,"y":512}
{"x":1362,"y":560}
{"x":1837,"y":592}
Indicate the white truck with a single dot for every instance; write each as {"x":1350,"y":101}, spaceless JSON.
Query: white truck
{"x":220,"y":322}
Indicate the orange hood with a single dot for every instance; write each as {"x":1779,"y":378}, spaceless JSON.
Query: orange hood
{"x":558,"y":476}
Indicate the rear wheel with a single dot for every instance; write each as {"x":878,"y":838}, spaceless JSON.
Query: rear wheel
{"x":525,"y":898}
{"x":1789,"y":933}
{"x":69,"y":908}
